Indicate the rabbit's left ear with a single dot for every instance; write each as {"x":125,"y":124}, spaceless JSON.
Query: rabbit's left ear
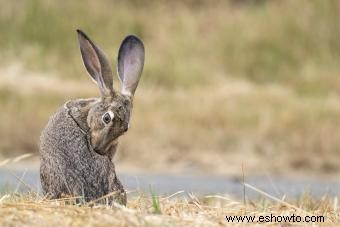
{"x":130,"y":63}
{"x":96,"y":64}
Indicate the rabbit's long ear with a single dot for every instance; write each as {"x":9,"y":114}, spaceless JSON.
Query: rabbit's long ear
{"x":130,"y":63}
{"x":96,"y":64}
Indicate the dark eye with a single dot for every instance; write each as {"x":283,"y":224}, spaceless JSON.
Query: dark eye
{"x":107,"y":117}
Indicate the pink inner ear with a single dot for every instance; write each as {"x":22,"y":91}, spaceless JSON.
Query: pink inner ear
{"x":131,"y":72}
{"x":93,"y":61}
{"x":130,"y":63}
{"x":132,"y":60}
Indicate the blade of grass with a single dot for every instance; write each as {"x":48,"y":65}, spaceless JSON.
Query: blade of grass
{"x":276,"y":199}
{"x":155,"y":203}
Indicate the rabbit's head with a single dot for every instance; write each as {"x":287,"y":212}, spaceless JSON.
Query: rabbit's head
{"x":108,"y":118}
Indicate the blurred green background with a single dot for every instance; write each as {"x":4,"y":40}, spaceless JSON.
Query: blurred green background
{"x":225,"y":83}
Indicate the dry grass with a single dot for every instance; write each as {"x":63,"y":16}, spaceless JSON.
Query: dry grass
{"x":149,"y":209}
{"x":202,"y":128}
{"x":224,"y":83}
{"x":178,"y":210}
{"x":193,"y":42}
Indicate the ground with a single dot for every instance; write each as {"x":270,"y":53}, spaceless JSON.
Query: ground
{"x":225,"y":83}
{"x":174,"y":210}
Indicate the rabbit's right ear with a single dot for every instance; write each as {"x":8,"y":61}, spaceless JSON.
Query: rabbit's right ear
{"x":130,"y":63}
{"x":96,"y":64}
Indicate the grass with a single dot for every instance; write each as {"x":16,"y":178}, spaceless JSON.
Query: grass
{"x":177,"y":210}
{"x":224,"y":82}
{"x":232,"y":122}
{"x":23,"y":205}
{"x":191,"y":43}
{"x":155,"y":203}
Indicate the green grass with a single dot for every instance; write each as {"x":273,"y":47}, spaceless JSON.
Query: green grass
{"x":155,"y":203}
{"x":296,"y":43}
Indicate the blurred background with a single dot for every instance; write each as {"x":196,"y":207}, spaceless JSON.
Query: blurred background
{"x":226,"y":84}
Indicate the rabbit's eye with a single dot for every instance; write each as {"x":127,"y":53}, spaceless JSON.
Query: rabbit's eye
{"x":107,"y":117}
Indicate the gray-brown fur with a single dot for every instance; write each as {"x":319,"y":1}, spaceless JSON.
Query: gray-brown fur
{"x":80,"y":139}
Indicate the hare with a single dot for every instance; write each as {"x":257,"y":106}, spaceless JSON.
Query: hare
{"x":77,"y":145}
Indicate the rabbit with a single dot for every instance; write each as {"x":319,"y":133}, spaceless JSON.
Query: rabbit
{"x":80,"y":139}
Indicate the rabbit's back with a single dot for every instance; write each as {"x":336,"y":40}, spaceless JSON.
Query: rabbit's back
{"x":69,"y":166}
